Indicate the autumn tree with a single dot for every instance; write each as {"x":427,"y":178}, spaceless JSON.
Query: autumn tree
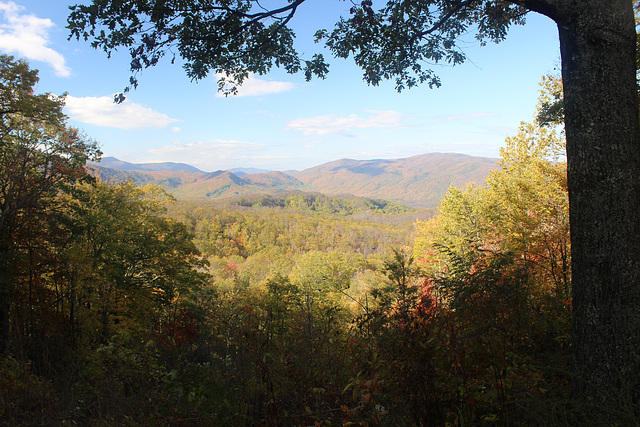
{"x":124,"y":266}
{"x":399,"y":329}
{"x":319,"y":276}
{"x":39,"y":155}
{"x":527,"y":207}
{"x":598,"y":50}
{"x":522,"y":210}
{"x":498,"y":256}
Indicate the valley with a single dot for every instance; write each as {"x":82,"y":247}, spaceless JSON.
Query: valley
{"x":418,"y":181}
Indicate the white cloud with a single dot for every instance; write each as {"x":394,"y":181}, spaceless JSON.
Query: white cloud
{"x":28,"y":36}
{"x":253,"y":86}
{"x":332,"y":124}
{"x":102,"y":111}
{"x":204,"y":152}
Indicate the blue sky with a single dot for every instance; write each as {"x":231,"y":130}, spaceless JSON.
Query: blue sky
{"x":279,"y":121}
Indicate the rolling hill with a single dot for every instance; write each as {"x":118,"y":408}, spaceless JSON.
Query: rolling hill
{"x":227,"y":184}
{"x":418,"y":181}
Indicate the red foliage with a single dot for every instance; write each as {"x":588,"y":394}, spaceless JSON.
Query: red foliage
{"x":182,"y":331}
{"x":231,"y":269}
{"x":427,"y":304}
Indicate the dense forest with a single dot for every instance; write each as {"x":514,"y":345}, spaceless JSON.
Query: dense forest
{"x":122,"y":306}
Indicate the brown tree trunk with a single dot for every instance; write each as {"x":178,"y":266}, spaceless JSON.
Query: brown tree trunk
{"x":597,"y":44}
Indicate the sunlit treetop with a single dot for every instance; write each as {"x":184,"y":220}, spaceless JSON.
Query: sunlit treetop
{"x":237,"y":37}
{"x":17,"y":98}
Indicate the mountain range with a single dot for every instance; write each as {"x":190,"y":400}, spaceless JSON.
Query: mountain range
{"x":113,"y":163}
{"x":418,"y":181}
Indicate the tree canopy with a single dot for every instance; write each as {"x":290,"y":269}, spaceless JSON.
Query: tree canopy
{"x":240,"y":37}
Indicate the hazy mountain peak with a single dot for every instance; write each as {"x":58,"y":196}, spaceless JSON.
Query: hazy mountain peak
{"x":114,"y":163}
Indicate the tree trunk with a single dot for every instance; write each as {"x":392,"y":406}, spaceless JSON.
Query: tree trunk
{"x":597,"y":44}
{"x":6,"y":293}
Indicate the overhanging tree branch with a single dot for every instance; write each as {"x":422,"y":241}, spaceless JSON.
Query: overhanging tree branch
{"x":459,"y":6}
{"x":548,"y":8}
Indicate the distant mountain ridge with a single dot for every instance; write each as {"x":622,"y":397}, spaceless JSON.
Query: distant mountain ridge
{"x":418,"y":181}
{"x":113,"y":163}
{"x":247,"y":171}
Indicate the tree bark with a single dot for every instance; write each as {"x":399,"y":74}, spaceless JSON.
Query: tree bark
{"x":597,"y":45}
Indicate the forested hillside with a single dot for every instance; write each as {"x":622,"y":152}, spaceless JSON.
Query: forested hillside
{"x":123,"y":306}
{"x":419,"y":181}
